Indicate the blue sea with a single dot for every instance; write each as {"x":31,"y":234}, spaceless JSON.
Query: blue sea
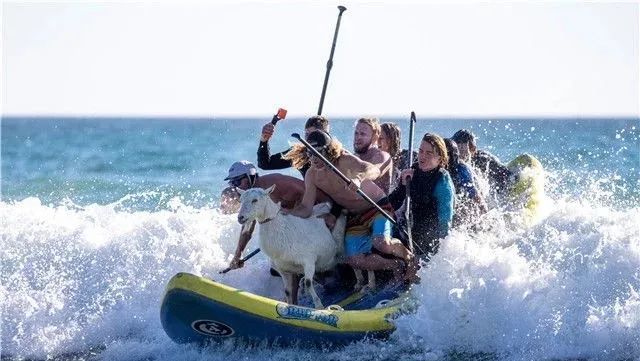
{"x":97,"y":214}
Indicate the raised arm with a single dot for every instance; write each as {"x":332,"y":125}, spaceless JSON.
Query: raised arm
{"x":268,"y":161}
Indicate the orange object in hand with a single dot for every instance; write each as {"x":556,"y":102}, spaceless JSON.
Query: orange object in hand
{"x":282,"y":113}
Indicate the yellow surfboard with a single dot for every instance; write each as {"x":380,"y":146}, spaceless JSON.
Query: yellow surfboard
{"x":526,"y":194}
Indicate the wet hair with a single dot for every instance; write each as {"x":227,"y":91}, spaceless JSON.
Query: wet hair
{"x":464,"y":136}
{"x":392,"y":131}
{"x":374,"y":123}
{"x":454,"y":156}
{"x":452,"y":151}
{"x":438,"y":145}
{"x":319,"y":139}
{"x":318,"y":122}
{"x":332,"y":149}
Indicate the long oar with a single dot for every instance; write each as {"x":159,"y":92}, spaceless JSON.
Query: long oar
{"x":324,"y":91}
{"x":244,"y":259}
{"x":330,"y":62}
{"x":412,"y":122}
{"x":346,"y":180}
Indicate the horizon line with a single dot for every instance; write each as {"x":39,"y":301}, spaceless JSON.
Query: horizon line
{"x":302,"y":116}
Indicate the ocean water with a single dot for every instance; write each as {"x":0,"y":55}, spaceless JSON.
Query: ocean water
{"x":97,"y":214}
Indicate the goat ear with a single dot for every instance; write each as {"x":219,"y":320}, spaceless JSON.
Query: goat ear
{"x":240,"y":191}
{"x":271,"y":189}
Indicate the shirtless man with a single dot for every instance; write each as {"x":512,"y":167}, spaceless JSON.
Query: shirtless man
{"x":366,"y":227}
{"x":365,"y":144}
{"x":243,"y":175}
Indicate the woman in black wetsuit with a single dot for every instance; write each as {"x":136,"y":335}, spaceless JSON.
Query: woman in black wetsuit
{"x":432,"y":195}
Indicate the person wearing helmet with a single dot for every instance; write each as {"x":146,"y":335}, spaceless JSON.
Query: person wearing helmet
{"x":469,"y":203}
{"x":244,"y":175}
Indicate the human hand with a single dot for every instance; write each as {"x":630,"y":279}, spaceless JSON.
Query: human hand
{"x":236,"y":263}
{"x":406,"y":175}
{"x":267,"y":132}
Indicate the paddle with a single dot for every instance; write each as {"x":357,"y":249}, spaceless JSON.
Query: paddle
{"x":412,"y":122}
{"x":330,"y":62}
{"x":281,"y":115}
{"x":244,"y":259}
{"x":346,"y":180}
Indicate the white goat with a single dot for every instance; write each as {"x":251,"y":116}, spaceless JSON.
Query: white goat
{"x":295,"y":245}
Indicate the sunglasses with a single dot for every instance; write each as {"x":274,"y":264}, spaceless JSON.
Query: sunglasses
{"x":310,"y":153}
{"x":235,"y":182}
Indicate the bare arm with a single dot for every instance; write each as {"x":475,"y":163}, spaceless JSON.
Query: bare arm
{"x":305,"y":208}
{"x":245,"y":236}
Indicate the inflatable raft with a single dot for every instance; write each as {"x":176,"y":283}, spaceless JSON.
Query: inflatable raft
{"x":199,"y":310}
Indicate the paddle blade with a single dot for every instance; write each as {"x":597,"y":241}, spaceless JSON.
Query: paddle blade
{"x":281,"y":114}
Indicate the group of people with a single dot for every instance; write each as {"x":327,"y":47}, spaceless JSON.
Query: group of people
{"x":441,"y":182}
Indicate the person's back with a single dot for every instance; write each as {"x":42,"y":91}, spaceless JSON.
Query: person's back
{"x":288,"y":191}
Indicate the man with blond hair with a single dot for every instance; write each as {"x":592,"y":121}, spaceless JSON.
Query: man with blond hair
{"x":365,"y":144}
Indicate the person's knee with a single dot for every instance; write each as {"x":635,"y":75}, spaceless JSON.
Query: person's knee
{"x":354,"y":260}
{"x":382,"y":243}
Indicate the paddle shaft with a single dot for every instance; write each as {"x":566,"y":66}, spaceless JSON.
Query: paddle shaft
{"x":346,"y":180}
{"x":244,"y":259}
{"x":324,"y":91}
{"x":412,"y":122}
{"x":330,"y":61}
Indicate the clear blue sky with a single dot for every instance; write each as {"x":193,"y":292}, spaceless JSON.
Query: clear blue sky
{"x":249,"y":58}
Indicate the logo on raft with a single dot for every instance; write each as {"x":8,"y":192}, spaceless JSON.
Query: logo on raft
{"x":212,"y":328}
{"x":307,"y":314}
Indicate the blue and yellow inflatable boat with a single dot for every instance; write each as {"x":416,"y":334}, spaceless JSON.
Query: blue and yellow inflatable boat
{"x":199,"y":310}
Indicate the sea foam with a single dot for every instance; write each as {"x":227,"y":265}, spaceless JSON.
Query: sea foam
{"x":87,"y":281}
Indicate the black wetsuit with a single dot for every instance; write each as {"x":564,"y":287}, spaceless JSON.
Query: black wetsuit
{"x":497,"y":173}
{"x":268,"y":161}
{"x":431,"y":207}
